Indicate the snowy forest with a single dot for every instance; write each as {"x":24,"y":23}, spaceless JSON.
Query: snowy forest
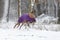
{"x":47,"y":12}
{"x":46,"y":27}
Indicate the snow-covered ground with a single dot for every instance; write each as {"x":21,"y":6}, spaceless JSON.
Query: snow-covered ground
{"x":42,"y":30}
{"x":38,"y":32}
{"x":31,"y":34}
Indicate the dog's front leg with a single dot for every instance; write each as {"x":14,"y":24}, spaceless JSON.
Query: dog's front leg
{"x":28,"y":24}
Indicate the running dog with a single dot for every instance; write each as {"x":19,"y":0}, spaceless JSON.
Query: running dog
{"x":26,"y":18}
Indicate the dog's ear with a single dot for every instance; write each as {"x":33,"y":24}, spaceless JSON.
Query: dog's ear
{"x":32,"y":12}
{"x":31,"y":15}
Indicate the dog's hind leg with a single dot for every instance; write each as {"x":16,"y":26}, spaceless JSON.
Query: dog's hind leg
{"x":16,"y":25}
{"x":21,"y":25}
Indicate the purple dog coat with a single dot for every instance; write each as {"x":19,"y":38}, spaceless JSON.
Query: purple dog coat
{"x":26,"y":17}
